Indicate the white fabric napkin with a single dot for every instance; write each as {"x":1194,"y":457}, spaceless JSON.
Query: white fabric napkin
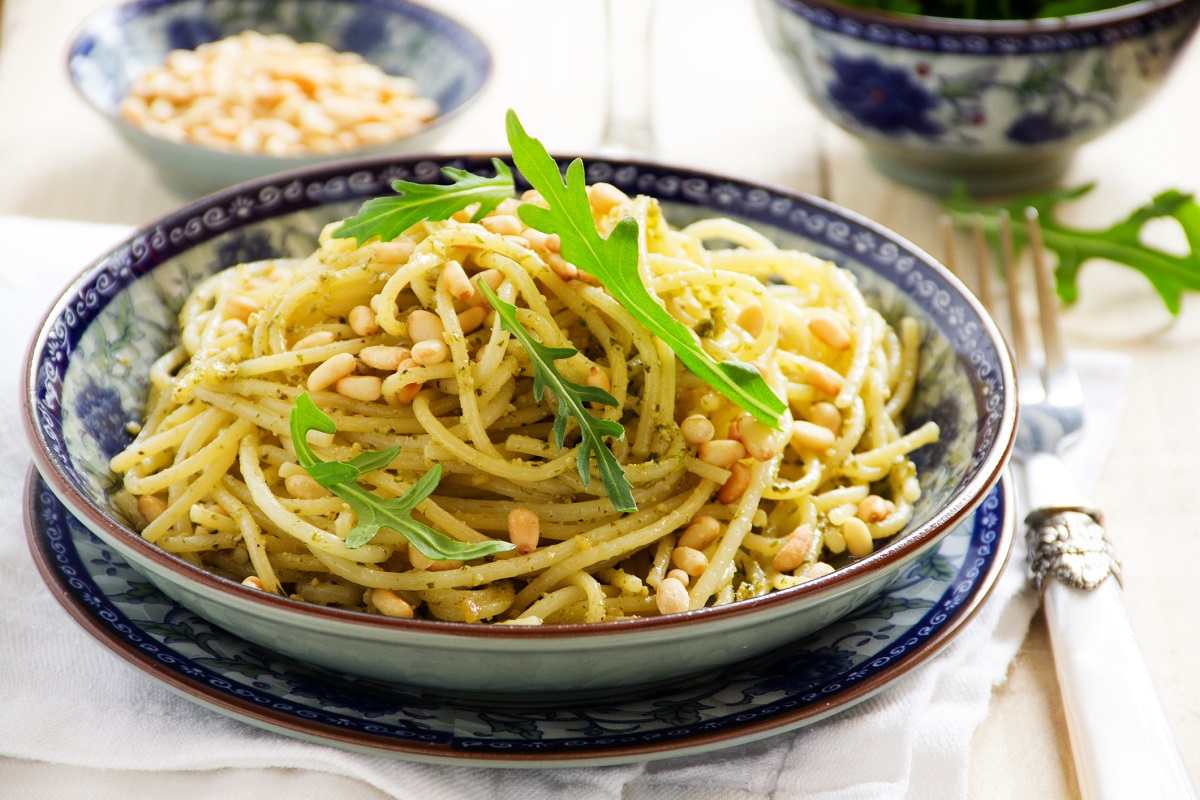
{"x":67,"y":699}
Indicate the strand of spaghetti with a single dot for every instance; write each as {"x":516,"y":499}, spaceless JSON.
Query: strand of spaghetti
{"x":910,"y":339}
{"x":720,"y":564}
{"x":195,"y":451}
{"x":592,"y":594}
{"x":251,"y":535}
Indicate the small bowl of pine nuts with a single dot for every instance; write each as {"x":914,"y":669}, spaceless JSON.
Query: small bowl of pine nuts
{"x":100,"y":350}
{"x":215,"y":94}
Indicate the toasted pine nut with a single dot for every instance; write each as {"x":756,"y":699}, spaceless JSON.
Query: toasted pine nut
{"x":457,"y":283}
{"x":599,"y":379}
{"x":394,"y":252}
{"x":254,"y":582}
{"x":874,"y":508}
{"x":700,"y":533}
{"x":150,"y":507}
{"x":384,"y":357}
{"x":519,"y":241}
{"x":472,"y":318}
{"x":330,"y":371}
{"x":425,"y":326}
{"x":289,"y":468}
{"x":390,"y":604}
{"x":760,"y":441}
{"x":430,"y":351}
{"x":818,"y":570}
{"x":823,"y":378}
{"x":561,"y":267}
{"x":680,"y":576}
{"x":408,"y":392}
{"x":826,"y":415}
{"x":233,"y":325}
{"x":315,"y":339}
{"x":604,"y":196}
{"x":795,"y":550}
{"x":735,"y":487}
{"x":691,"y":561}
{"x":751,"y":319}
{"x":492,"y":277}
{"x":241,"y":307}
{"x":536,"y":239}
{"x":418,"y":560}
{"x":362,"y":321}
{"x":364,"y":388}
{"x":858,"y":537}
{"x":697,"y":429}
{"x":503,"y":224}
{"x":304,"y":487}
{"x":808,"y":436}
{"x":672,"y":597}
{"x":829,"y":327}
{"x":524,"y":529}
{"x":721,"y":452}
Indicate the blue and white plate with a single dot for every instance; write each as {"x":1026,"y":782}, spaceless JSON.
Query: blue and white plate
{"x":822,"y":674}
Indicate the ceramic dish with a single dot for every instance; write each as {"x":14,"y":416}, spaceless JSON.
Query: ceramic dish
{"x":114,"y":46}
{"x":824,"y":674}
{"x":87,"y":373}
{"x":999,"y":105}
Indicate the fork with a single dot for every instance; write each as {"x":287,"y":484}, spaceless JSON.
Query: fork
{"x":1120,"y":737}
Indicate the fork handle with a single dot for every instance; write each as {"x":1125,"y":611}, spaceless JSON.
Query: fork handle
{"x":1120,"y":736}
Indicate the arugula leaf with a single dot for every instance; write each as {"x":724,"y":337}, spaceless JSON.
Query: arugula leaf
{"x":388,"y":217}
{"x":341,"y":478}
{"x":571,"y":399}
{"x":614,"y":262}
{"x":1170,"y":274}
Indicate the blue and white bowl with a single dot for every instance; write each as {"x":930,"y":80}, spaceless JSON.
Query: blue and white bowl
{"x":999,"y":105}
{"x":449,"y":63}
{"x":87,"y":374}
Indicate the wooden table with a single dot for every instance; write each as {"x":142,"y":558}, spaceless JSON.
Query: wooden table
{"x":59,"y":160}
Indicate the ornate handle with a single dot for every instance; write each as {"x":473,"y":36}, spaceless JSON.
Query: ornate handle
{"x":1069,"y":543}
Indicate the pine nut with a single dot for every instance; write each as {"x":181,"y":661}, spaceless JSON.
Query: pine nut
{"x":470,"y":319}
{"x":524,"y":529}
{"x":554,"y":243}
{"x":759,"y":440}
{"x":289,"y":468}
{"x":691,"y":561}
{"x":700,"y":533}
{"x":457,"y":283}
{"x":751,"y":319}
{"x":364,"y":388}
{"x":808,"y":436}
{"x":394,"y":252}
{"x":151,"y":507}
{"x":795,"y":550}
{"x":721,"y":452}
{"x":818,"y":570}
{"x":826,"y":415}
{"x":430,"y":351}
{"x":239,"y":306}
{"x":672,"y":597}
{"x":830,"y":328}
{"x":304,"y":487}
{"x":383,"y":357}
{"x":362,"y":321}
{"x":874,"y":508}
{"x":425,"y":326}
{"x":330,"y":371}
{"x":598,"y":378}
{"x":536,"y":239}
{"x":697,"y":429}
{"x":735,"y":487}
{"x":858,"y":537}
{"x":680,"y":576}
{"x":316,"y":339}
{"x":233,"y":325}
{"x":562,"y":268}
{"x":408,"y":392}
{"x":419,"y":561}
{"x":492,"y":277}
{"x":502,"y":224}
{"x":390,"y":604}
{"x":254,"y":582}
{"x":519,"y":241}
{"x":823,"y":378}
{"x":604,"y":196}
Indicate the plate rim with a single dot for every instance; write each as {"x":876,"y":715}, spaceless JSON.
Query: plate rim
{"x":247,"y":711}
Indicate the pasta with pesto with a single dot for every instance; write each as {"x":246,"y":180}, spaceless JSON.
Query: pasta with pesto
{"x":396,"y":343}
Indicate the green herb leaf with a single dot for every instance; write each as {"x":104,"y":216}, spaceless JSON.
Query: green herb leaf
{"x":614,"y":262}
{"x":571,"y":403}
{"x":1170,"y":274}
{"x":389,"y":217}
{"x":373,"y":512}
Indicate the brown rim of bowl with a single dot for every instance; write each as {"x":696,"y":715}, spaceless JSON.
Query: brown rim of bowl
{"x":917,"y":22}
{"x":303,"y":159}
{"x":900,"y":550}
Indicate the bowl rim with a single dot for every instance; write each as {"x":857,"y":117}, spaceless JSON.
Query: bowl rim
{"x":894,"y":554}
{"x":419,"y":10}
{"x":1074,"y":23}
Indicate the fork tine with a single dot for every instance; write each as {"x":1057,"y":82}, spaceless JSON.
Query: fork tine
{"x":1018,"y":336}
{"x":1052,"y":336}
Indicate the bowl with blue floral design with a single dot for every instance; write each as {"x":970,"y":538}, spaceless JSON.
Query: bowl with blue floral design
{"x":998,"y":105}
{"x":447,"y":64}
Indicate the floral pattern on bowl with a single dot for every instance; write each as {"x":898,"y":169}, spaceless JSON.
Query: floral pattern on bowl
{"x":1009,"y":101}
